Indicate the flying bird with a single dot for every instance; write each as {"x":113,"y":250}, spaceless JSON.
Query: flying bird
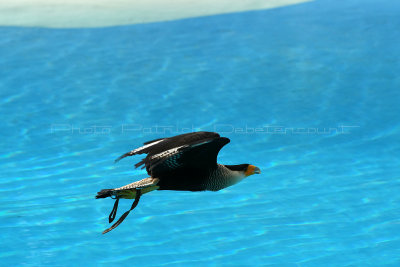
{"x":186,"y":162}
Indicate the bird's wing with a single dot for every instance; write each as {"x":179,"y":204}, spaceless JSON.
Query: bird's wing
{"x":199,"y":155}
{"x":158,"y":146}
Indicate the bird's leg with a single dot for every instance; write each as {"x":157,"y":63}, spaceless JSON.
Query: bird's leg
{"x":122,"y":218}
{"x":111,"y":217}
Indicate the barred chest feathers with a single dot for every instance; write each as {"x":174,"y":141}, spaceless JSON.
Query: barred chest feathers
{"x":223,"y":177}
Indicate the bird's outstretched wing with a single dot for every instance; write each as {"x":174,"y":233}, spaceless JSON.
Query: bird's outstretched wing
{"x":163,"y":144}
{"x":198,"y":149}
{"x":199,"y":155}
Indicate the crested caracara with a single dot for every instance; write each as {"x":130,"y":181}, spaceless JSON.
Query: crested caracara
{"x":186,"y":162}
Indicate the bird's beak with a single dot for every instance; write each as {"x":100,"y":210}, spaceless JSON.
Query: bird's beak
{"x":252,"y":170}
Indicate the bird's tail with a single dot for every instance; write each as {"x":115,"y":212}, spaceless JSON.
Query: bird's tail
{"x":104,"y":193}
{"x":130,"y":191}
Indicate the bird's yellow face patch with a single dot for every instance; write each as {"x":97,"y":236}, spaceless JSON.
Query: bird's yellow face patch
{"x":251,"y":169}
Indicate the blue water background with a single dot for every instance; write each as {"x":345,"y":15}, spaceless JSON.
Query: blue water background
{"x":327,"y":72}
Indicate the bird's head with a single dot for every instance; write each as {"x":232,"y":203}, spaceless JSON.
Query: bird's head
{"x":251,"y":169}
{"x":246,"y":169}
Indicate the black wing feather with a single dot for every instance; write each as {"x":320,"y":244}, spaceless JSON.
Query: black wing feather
{"x":164,"y":144}
{"x":180,"y":140}
{"x":199,"y":155}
